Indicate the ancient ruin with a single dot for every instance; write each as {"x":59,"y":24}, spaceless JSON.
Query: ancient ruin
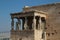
{"x":38,"y":23}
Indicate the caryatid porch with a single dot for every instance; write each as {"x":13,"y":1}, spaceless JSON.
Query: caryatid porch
{"x":33,"y":25}
{"x":30,"y":20}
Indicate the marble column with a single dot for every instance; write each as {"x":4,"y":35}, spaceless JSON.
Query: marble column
{"x":12,"y":24}
{"x":23,"y":21}
{"x":17,"y":27}
{"x":43,"y":24}
{"x":18,"y":24}
{"x":39,"y":22}
{"x":34,"y":23}
{"x":25,"y":24}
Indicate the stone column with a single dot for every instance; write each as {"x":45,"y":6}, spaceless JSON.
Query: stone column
{"x":34,"y":23}
{"x":18,"y":24}
{"x":12,"y":24}
{"x":25,"y":24}
{"x":40,"y":23}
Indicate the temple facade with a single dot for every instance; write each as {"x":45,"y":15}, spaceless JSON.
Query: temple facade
{"x":36,"y":23}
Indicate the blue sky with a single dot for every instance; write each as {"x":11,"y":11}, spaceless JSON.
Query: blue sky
{"x":10,"y":6}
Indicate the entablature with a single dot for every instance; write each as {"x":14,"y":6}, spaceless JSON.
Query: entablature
{"x":29,"y":13}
